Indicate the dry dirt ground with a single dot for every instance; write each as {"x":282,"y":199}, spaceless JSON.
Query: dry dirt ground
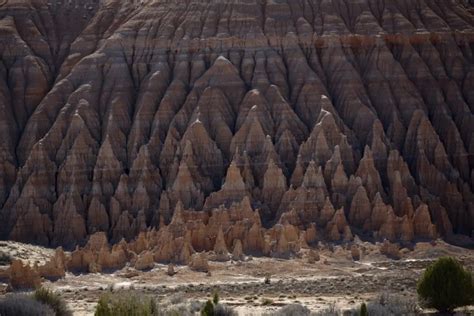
{"x":335,"y":279}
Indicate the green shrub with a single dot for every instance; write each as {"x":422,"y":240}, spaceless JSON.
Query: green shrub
{"x":214,"y":308}
{"x":208,"y":309}
{"x":446,"y":285}
{"x":125,"y":305}
{"x":267,"y":301}
{"x":215,"y":299}
{"x":103,"y":308}
{"x":363,"y":310}
{"x":53,"y":300}
{"x":22,"y":305}
{"x":267,"y":279}
{"x":5,"y":259}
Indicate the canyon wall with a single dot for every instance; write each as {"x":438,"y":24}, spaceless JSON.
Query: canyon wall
{"x":256,"y":125}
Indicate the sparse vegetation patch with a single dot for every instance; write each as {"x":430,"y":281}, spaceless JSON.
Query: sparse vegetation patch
{"x":446,"y":285}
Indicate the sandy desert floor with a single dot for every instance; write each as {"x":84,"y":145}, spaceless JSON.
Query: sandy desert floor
{"x":335,"y":279}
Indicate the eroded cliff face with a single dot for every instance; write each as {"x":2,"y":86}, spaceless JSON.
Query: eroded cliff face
{"x":264,"y":125}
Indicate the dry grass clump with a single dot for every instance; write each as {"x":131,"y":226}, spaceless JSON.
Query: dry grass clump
{"x":23,"y":305}
{"x":53,"y":300}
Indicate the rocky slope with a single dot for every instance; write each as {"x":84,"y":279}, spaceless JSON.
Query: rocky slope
{"x":256,"y":125}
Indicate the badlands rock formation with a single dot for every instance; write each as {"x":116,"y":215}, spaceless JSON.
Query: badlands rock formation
{"x":233,"y":127}
{"x":22,"y":276}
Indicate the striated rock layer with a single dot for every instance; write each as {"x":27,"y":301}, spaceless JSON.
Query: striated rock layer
{"x":234,"y":126}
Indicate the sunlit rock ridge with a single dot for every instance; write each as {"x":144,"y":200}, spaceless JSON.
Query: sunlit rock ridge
{"x":259,"y":126}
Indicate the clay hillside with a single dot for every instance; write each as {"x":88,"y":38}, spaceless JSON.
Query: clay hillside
{"x":256,"y":125}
